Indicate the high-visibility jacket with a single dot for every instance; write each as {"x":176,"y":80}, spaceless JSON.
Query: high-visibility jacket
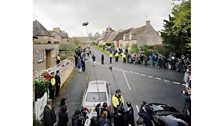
{"x":111,"y":55}
{"x":117,"y":55}
{"x":58,"y":58}
{"x":53,"y":81}
{"x":115,"y":101}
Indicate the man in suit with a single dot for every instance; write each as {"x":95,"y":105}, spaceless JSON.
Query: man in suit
{"x":49,"y":114}
{"x":130,"y":115}
{"x":58,"y":83}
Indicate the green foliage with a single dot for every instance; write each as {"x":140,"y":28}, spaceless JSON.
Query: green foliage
{"x":41,"y":86}
{"x":108,"y":44}
{"x":68,"y":49}
{"x":134,"y":48}
{"x":176,"y":34}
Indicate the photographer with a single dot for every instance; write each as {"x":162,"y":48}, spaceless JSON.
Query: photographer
{"x":146,"y":113}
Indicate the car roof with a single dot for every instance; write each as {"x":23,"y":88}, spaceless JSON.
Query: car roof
{"x":162,"y":107}
{"x":95,"y":86}
{"x":174,"y":119}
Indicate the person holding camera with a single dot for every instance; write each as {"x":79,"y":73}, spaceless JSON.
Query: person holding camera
{"x":146,"y":113}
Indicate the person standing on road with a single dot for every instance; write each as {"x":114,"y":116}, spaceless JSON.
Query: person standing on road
{"x":146,"y":113}
{"x":83,"y":65}
{"x":130,"y":115}
{"x":93,"y":58}
{"x":63,"y":116}
{"x":103,"y":120}
{"x":75,"y":118}
{"x":116,"y":57}
{"x":58,"y":83}
{"x":102,"y":59}
{"x":119,"y":118}
{"x":58,"y":59}
{"x":111,"y":56}
{"x":79,"y":65}
{"x":49,"y":117}
{"x":117,"y":100}
{"x":52,"y":87}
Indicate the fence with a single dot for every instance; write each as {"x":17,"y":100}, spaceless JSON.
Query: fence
{"x":39,"y":106}
{"x":65,"y":68}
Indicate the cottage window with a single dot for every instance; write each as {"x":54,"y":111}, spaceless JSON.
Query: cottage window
{"x":40,"y":56}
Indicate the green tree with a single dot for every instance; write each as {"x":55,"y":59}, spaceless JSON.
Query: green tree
{"x":134,"y":48}
{"x":176,"y":34}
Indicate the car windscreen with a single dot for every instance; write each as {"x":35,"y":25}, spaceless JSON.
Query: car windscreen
{"x":96,"y":97}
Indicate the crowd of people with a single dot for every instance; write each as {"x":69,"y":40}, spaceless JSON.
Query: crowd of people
{"x":106,"y":116}
{"x":169,"y":60}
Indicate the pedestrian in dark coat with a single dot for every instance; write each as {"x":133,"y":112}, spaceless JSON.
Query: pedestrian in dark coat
{"x":83,"y":65}
{"x":103,"y":120}
{"x":146,"y":114}
{"x":49,"y":116}
{"x":102,"y":59}
{"x":130,"y":115}
{"x":93,"y":58}
{"x":63,"y":102}
{"x":57,"y":83}
{"x":75,"y":118}
{"x":63,"y":116}
{"x":79,"y":65}
{"x":119,"y":119}
{"x":76,"y":59}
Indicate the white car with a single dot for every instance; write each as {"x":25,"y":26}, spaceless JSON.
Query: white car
{"x":97,"y":91}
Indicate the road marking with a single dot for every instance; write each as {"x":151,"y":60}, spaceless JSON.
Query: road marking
{"x":143,"y":75}
{"x":121,"y":69}
{"x":150,"y":76}
{"x":176,"y":82}
{"x":137,"y":108}
{"x":136,"y":73}
{"x":157,"y":78}
{"x":126,"y":81}
{"x":131,"y":71}
{"x":166,"y":80}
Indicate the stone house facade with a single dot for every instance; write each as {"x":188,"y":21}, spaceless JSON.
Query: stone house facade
{"x":142,"y":35}
{"x":45,"y":48}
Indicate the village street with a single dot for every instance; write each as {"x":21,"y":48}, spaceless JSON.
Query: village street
{"x":137,"y":83}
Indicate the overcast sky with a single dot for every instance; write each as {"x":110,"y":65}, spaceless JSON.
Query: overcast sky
{"x":117,"y":14}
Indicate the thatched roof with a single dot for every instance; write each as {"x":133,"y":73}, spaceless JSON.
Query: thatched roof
{"x":39,"y":29}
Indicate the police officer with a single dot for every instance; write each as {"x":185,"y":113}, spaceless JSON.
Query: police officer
{"x":52,"y":87}
{"x":58,"y":59}
{"x":116,"y":57}
{"x":117,"y":100}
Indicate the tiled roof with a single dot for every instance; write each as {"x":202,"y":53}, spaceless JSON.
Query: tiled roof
{"x":39,"y":29}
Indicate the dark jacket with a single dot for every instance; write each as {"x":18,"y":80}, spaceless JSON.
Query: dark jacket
{"x":57,"y":79}
{"x":63,"y":116}
{"x":147,"y":117}
{"x":119,"y":120}
{"x":130,"y":116}
{"x":75,"y":120}
{"x":103,"y":122}
{"x":49,"y":116}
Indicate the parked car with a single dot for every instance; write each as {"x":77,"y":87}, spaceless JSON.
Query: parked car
{"x":97,"y":91}
{"x":165,"y":115}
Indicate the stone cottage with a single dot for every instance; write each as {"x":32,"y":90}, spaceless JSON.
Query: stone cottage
{"x":45,"y":48}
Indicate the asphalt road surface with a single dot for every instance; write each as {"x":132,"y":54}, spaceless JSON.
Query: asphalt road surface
{"x":137,"y":83}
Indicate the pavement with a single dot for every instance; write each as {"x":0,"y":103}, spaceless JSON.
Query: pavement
{"x":137,"y":83}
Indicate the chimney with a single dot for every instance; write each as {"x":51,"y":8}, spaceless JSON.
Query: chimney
{"x":56,"y":30}
{"x":148,"y":22}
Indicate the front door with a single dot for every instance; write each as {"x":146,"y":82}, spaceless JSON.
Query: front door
{"x":48,"y":59}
